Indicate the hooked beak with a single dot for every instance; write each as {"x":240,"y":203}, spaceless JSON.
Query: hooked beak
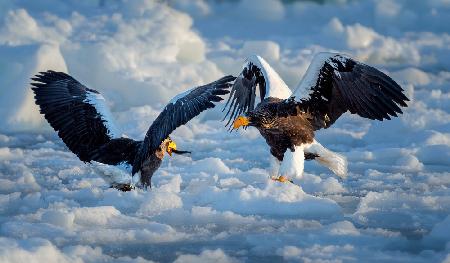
{"x":171,"y":147}
{"x":241,"y":121}
{"x":181,"y":152}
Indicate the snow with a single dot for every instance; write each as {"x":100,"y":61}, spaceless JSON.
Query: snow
{"x":180,"y":96}
{"x":218,"y":204}
{"x":265,"y":49}
{"x":17,"y":99}
{"x":207,"y":256}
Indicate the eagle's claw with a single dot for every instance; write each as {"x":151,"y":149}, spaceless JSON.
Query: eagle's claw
{"x":122,"y":187}
{"x":281,"y":179}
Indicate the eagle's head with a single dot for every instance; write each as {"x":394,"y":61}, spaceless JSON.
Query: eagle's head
{"x":255,"y":120}
{"x":169,"y":145}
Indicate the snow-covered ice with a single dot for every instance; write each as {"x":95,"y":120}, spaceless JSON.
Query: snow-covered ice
{"x":218,"y":204}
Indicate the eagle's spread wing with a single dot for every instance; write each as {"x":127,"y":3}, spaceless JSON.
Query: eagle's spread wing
{"x":77,"y":113}
{"x":334,"y":84}
{"x":256,"y":72}
{"x":179,"y":111}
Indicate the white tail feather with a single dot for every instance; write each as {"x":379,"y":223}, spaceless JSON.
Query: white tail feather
{"x":113,"y":174}
{"x":337,"y":163}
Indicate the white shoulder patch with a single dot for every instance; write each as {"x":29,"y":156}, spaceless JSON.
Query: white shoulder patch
{"x":99,"y":103}
{"x":312,"y":73}
{"x":275,"y":86}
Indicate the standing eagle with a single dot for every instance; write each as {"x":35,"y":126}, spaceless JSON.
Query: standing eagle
{"x":84,"y":123}
{"x":332,"y":85}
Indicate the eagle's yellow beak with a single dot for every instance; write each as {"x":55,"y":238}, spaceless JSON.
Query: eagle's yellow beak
{"x":240,"y":121}
{"x":170,"y":147}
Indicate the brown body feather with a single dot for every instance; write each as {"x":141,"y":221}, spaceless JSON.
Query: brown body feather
{"x":282,"y":125}
{"x":335,"y":84}
{"x":79,"y":116}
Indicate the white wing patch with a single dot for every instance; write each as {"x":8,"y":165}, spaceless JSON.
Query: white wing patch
{"x":99,"y":103}
{"x":275,"y":86}
{"x":312,"y":73}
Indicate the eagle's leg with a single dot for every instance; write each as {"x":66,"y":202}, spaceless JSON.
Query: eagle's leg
{"x":274,"y":171}
{"x":148,"y":168}
{"x":292,"y":164}
{"x":146,"y":180}
{"x":274,"y":166}
{"x":124,"y":187}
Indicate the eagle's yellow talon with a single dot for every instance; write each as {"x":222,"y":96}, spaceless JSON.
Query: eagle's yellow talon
{"x":281,"y":179}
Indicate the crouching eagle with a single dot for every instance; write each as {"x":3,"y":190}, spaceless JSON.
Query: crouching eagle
{"x":332,"y":85}
{"x":84,"y":123}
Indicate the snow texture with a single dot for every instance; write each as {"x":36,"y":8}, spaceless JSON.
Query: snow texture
{"x":218,"y":204}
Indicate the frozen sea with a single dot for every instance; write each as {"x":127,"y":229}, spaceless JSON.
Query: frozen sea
{"x":218,"y":205}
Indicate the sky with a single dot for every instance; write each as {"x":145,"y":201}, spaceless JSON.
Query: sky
{"x":218,"y":204}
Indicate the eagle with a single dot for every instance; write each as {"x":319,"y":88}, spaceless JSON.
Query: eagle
{"x":332,"y":85}
{"x":84,"y":123}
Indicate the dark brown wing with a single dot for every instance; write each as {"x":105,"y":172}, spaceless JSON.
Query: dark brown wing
{"x":256,"y":73}
{"x":77,"y":113}
{"x":334,"y":84}
{"x":179,"y":111}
